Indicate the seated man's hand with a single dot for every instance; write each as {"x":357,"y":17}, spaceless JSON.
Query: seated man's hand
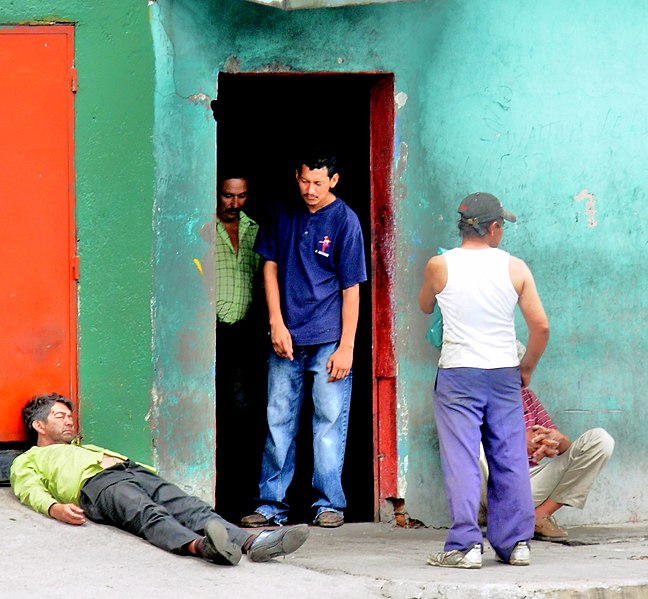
{"x":68,"y":513}
{"x":535,"y":438}
{"x":532,"y":445}
{"x":551,"y":437}
{"x":544,"y":451}
{"x":543,"y":442}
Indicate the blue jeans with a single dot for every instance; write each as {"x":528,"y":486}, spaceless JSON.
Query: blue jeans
{"x":331,"y":402}
{"x":473,"y":405}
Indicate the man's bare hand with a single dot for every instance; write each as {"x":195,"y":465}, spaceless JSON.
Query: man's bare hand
{"x":339,"y":364}
{"x":532,"y":447}
{"x":281,"y":341}
{"x":543,"y":442}
{"x":544,"y":451}
{"x":68,"y":513}
{"x":525,"y":374}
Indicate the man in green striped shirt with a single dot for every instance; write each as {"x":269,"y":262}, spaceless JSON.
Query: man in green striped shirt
{"x":240,"y":352}
{"x":236,"y":261}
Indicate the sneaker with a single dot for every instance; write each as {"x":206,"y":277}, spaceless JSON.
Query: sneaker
{"x":216,"y":547}
{"x":256,"y":520}
{"x":546,"y":529}
{"x":520,"y":556}
{"x":276,"y":543}
{"x":469,"y":560}
{"x":329,"y":519}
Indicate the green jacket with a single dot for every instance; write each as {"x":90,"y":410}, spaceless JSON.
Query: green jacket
{"x":43,"y":476}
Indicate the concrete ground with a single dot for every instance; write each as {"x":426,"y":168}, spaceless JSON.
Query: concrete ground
{"x":44,"y":558}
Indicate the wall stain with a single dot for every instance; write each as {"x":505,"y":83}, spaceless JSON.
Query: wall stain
{"x":200,"y":98}
{"x":590,"y":206}
{"x":401,"y":99}
{"x":232,"y":65}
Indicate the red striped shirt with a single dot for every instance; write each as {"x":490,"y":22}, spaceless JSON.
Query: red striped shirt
{"x":534,"y":413}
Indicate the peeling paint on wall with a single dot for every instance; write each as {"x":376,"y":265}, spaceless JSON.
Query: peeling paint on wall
{"x":200,"y":98}
{"x":402,"y":476}
{"x":590,"y":206}
{"x":400,"y":190}
{"x":401,"y":100}
{"x":402,"y":443}
{"x":232,"y":65}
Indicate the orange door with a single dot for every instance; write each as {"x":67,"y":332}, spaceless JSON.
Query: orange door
{"x":37,"y":241}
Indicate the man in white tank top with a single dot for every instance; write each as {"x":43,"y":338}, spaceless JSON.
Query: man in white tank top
{"x":477,"y":395}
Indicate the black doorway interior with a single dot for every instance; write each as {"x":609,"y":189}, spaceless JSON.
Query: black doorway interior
{"x":263,"y":121}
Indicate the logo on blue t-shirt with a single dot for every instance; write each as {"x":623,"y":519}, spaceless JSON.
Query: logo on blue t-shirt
{"x":325,"y":243}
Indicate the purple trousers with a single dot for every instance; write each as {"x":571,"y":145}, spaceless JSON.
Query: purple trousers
{"x":473,"y":405}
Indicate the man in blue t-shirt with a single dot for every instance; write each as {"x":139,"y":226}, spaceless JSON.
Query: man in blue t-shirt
{"x":314,"y":263}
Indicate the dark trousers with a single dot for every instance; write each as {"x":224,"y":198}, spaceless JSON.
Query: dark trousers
{"x":241,"y":388}
{"x":138,"y":501}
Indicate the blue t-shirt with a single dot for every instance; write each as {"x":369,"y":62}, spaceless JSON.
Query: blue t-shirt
{"x":317,"y":255}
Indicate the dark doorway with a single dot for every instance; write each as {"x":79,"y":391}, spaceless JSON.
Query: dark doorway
{"x":263,"y":120}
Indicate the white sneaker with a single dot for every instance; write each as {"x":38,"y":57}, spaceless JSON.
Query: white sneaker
{"x":469,"y":560}
{"x":520,"y":556}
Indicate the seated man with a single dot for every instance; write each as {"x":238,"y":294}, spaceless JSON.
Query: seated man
{"x":70,"y":482}
{"x":563,"y":479}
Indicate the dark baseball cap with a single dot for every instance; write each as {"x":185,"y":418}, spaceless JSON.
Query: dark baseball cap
{"x":480,"y":208}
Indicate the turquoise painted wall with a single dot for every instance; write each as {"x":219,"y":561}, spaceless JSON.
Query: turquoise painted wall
{"x":544,"y":105}
{"x":114,"y":195}
{"x":541,"y":104}
{"x":184,"y":412}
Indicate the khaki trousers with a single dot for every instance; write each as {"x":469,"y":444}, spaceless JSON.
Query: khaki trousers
{"x":567,"y":478}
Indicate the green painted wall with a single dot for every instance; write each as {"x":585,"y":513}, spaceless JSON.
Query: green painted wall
{"x":542,"y":104}
{"x":114,"y":195}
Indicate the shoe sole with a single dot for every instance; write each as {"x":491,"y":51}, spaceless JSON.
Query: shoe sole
{"x":550,"y":539}
{"x":460,"y":566}
{"x":519,"y":562}
{"x":217,"y":533}
{"x":325,"y":524}
{"x":255,"y":524}
{"x":288,"y":540}
{"x":335,"y":525}
{"x":514,"y":562}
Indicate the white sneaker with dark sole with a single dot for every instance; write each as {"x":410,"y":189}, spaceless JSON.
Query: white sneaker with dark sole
{"x":469,"y":560}
{"x":520,"y":556}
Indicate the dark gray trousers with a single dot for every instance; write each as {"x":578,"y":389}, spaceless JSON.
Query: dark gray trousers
{"x":138,"y":501}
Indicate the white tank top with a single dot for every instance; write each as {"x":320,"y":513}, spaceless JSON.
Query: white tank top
{"x":477,"y":305}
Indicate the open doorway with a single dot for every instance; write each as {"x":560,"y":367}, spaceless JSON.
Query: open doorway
{"x":263,"y":120}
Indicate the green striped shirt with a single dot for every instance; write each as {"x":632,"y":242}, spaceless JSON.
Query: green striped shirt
{"x":235,"y":273}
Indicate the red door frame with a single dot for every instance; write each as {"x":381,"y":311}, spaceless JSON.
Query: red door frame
{"x":74,"y":257}
{"x":382,"y":262}
{"x":68,"y":32}
{"x":381,"y":142}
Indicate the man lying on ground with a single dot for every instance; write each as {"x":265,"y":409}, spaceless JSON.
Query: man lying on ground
{"x":72,"y":482}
